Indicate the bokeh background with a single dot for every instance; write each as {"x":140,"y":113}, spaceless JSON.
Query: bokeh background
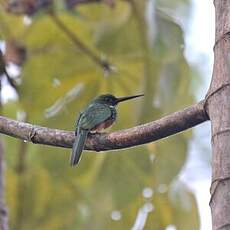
{"x":60,"y":55}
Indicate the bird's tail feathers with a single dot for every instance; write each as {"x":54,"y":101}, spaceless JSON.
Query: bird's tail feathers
{"x":78,"y":146}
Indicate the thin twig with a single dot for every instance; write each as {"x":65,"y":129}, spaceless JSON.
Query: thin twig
{"x":11,"y":81}
{"x":72,"y":3}
{"x":4,"y":71}
{"x":77,"y":41}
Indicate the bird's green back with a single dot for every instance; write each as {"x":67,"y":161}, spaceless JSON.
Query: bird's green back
{"x":95,"y":114}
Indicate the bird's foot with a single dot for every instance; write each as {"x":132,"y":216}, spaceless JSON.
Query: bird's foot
{"x":95,"y":132}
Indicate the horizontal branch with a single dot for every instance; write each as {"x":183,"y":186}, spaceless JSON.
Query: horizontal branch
{"x":152,"y":131}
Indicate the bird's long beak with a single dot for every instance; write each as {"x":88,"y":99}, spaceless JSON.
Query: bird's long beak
{"x":120,"y":99}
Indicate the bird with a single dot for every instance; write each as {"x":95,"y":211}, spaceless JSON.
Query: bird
{"x":99,"y":114}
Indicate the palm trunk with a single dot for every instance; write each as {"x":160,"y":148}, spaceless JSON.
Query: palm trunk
{"x":218,"y":108}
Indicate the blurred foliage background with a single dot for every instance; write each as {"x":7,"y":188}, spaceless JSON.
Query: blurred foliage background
{"x":66,"y":53}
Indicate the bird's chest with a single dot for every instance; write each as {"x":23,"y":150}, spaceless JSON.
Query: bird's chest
{"x":106,"y":123}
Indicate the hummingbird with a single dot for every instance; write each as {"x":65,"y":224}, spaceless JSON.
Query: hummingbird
{"x":98,"y":115}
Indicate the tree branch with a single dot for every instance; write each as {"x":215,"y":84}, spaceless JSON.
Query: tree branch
{"x":152,"y":131}
{"x":3,"y":208}
{"x":106,"y":66}
{"x":72,"y":3}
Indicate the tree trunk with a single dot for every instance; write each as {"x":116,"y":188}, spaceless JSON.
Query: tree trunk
{"x":218,"y":108}
{"x":3,"y":210}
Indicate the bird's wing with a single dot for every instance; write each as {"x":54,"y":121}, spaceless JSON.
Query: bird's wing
{"x":93,"y":115}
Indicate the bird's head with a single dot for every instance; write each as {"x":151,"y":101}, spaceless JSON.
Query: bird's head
{"x":112,"y":100}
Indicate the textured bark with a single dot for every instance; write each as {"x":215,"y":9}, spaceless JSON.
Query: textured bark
{"x":155,"y":130}
{"x":218,"y":108}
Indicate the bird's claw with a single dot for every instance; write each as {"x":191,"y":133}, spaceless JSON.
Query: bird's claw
{"x":96,"y":133}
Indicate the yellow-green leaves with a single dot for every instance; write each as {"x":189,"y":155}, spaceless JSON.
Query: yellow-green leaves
{"x":59,"y":77}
